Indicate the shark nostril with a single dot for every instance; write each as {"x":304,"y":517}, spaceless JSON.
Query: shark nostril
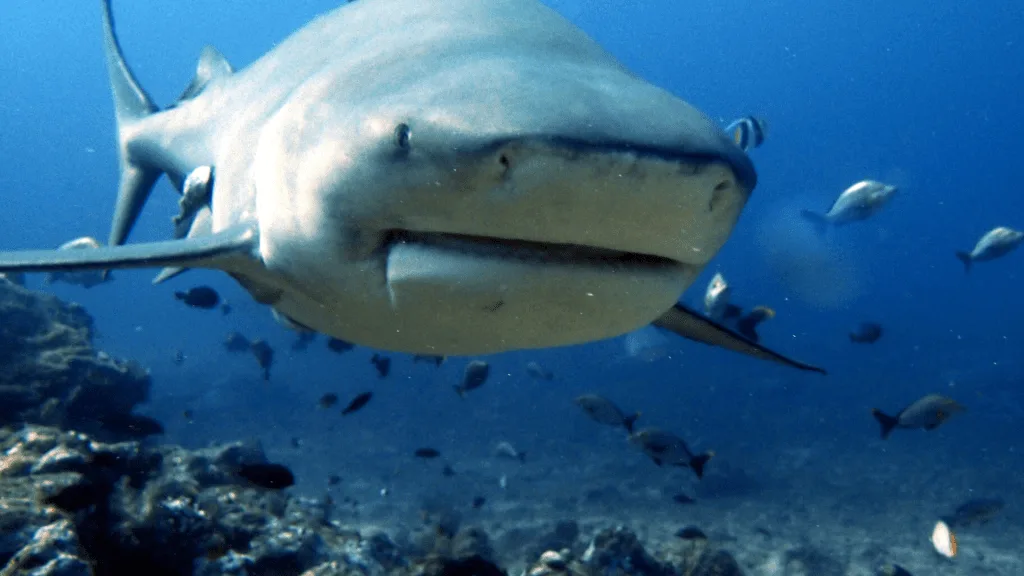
{"x":718,"y":194}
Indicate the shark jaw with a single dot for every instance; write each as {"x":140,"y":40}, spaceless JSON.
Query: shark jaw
{"x":563,"y":246}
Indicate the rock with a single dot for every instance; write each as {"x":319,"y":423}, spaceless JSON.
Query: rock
{"x":53,"y":551}
{"x":618,"y":552}
{"x":50,"y":373}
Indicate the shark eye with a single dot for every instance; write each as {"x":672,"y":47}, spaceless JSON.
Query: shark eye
{"x":402,"y":135}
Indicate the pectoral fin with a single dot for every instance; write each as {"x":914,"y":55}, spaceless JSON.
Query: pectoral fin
{"x":225,"y":250}
{"x":691,"y":325}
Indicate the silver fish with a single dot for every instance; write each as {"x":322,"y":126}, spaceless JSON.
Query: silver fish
{"x":858,"y":202}
{"x":996,"y":243}
{"x":928,"y":412}
{"x":84,"y":278}
{"x":667,"y":448}
{"x":604,"y":411}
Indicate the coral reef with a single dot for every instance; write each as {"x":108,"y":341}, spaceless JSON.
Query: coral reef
{"x":50,"y":373}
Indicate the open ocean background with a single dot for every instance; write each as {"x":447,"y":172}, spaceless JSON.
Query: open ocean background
{"x":923,"y":95}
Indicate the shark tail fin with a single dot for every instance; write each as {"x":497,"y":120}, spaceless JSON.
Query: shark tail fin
{"x":966,"y":259}
{"x":131,"y":104}
{"x":819,"y":221}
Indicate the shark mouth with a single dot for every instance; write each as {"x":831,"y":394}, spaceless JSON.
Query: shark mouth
{"x":523,"y":251}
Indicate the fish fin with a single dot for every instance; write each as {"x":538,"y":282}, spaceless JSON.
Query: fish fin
{"x":819,"y":220}
{"x":220,"y":251}
{"x":522,"y":457}
{"x":131,"y":104}
{"x":698,"y":462}
{"x":202,"y":225}
{"x":966,"y":259}
{"x":933,"y":426}
{"x":658,"y":461}
{"x":212,"y":65}
{"x":629,"y":421}
{"x":888,"y":423}
{"x":689,"y":324}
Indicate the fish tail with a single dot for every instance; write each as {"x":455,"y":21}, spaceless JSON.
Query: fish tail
{"x":131,"y":105}
{"x":180,"y":295}
{"x":698,"y":462}
{"x":819,"y":221}
{"x":888,"y":423}
{"x":522,"y":457}
{"x":966,"y":259}
{"x":629,"y":421}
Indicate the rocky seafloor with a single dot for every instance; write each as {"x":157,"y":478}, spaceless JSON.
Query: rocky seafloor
{"x":83,"y":491}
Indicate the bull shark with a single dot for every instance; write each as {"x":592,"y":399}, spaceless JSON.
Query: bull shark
{"x":448,"y":178}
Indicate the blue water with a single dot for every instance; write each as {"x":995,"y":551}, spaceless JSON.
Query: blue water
{"x":924,"y":95}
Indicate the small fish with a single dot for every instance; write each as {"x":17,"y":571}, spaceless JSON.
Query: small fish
{"x":507,"y":450}
{"x":977,"y":511}
{"x":537,"y":372}
{"x":429,"y":358}
{"x":188,"y":415}
{"x":856,"y":203}
{"x":333,"y":480}
{"x":928,"y":413}
{"x":474,"y":377}
{"x":667,"y":448}
{"x":235,"y":342}
{"x":328,"y":400}
{"x":748,"y":132}
{"x":303,"y":340}
{"x":357,"y":403}
{"x":716,"y":299}
{"x":199,"y":297}
{"x":338,"y":345}
{"x":264,"y":356}
{"x":691,"y":533}
{"x":996,"y":243}
{"x":683,"y":499}
{"x":131,"y":425}
{"x":382,"y":364}
{"x":604,"y":411}
{"x":427,"y":453}
{"x":478,"y":502}
{"x":178,"y":358}
{"x":447,"y":471}
{"x":84,"y":278}
{"x":270,"y":476}
{"x":296,"y":442}
{"x":866,"y":333}
{"x":944,"y":540}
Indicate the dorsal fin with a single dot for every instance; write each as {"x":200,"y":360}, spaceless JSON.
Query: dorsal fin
{"x":212,"y":65}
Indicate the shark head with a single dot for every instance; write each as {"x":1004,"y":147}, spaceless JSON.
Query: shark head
{"x":452,"y":178}
{"x":514,"y":189}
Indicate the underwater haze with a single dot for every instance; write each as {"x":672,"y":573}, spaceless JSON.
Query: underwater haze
{"x":924,"y":96}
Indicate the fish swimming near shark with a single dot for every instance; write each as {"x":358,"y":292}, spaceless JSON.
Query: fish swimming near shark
{"x":427,"y":177}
